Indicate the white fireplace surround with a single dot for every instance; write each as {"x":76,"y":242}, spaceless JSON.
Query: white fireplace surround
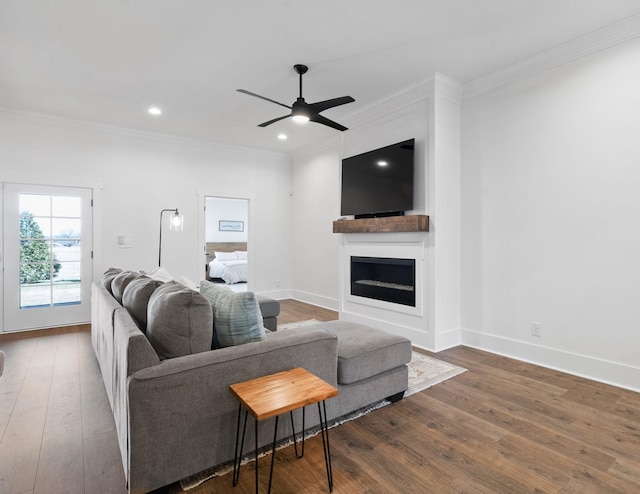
{"x":406,"y":320}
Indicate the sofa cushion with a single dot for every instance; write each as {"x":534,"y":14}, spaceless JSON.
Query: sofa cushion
{"x":236,"y":316}
{"x":179,"y":321}
{"x":364,"y":351}
{"x":136,"y":298}
{"x":120,"y":282}
{"x":108,"y":277}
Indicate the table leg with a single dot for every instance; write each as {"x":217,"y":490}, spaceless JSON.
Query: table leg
{"x":324,"y":429}
{"x":295,"y":444}
{"x":237,"y":459}
{"x":273,"y":453}
{"x":256,"y":453}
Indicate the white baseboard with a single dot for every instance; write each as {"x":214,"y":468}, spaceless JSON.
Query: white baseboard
{"x":277,"y":294}
{"x":447,"y":339}
{"x":314,"y":299}
{"x":616,"y":374}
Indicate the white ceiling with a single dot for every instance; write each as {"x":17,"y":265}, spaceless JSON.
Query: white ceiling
{"x":107,"y":61}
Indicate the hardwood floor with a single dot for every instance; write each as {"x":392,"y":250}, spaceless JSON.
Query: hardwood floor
{"x":294,"y":311}
{"x":503,"y":426}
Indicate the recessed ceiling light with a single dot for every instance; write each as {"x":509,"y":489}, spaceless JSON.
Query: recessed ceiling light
{"x":154,"y":110}
{"x":282,"y":137}
{"x":382,"y":163}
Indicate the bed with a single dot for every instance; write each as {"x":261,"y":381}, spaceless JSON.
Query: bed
{"x":227,"y":262}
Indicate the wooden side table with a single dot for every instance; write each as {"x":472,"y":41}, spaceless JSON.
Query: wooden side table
{"x":271,"y":396}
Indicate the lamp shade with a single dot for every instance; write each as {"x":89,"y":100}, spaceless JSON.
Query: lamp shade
{"x":176,"y":222}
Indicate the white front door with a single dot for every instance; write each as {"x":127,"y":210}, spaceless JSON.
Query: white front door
{"x":47,"y":233}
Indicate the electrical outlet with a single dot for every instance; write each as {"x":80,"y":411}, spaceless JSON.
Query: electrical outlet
{"x":277,"y":283}
{"x":536,"y":329}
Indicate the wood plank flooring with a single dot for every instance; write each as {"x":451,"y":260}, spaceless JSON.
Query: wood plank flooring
{"x":502,"y":427}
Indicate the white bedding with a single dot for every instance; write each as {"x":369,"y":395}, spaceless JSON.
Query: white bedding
{"x":233,"y":271}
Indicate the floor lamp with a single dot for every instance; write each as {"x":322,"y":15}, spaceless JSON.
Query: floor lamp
{"x":176,"y":222}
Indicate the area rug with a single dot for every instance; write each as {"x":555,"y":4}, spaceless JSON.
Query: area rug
{"x":424,"y":372}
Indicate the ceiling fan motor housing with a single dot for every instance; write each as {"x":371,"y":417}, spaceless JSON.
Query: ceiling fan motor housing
{"x":300,"y":108}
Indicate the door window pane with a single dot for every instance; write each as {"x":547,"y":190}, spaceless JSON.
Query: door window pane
{"x":66,"y":293}
{"x":63,"y":252}
{"x":37,"y":205}
{"x":69,"y":207}
{"x":34,"y":226}
{"x":50,"y":255}
{"x":66,"y":231}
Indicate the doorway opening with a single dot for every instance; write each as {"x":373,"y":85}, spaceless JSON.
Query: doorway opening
{"x":226,"y":242}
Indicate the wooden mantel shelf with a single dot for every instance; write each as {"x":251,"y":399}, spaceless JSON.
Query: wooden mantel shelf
{"x":413,"y":223}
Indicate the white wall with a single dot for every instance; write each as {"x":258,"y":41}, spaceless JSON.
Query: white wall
{"x":550,"y":181}
{"x":225,"y":209}
{"x":316,"y":204}
{"x":143,"y":174}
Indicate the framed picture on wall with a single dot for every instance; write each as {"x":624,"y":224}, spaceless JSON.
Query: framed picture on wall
{"x":230,"y":226}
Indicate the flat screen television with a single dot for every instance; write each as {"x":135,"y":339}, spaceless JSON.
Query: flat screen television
{"x":378,"y":182}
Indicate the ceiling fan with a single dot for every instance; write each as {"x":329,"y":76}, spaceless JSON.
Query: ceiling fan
{"x":301,"y":111}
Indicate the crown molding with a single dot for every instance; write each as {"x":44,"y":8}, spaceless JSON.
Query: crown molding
{"x":391,"y":104}
{"x":438,"y":86}
{"x":448,"y":89}
{"x":607,"y":37}
{"x":87,"y":125}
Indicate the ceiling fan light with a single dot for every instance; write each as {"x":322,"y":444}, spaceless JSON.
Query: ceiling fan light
{"x":300,"y":118}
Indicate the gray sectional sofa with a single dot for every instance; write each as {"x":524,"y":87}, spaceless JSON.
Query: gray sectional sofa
{"x":176,"y":416}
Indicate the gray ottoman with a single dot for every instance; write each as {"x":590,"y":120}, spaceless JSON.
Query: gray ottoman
{"x":270,"y":309}
{"x":364,"y":351}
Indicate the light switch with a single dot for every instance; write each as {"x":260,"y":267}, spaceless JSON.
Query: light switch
{"x":124,"y":242}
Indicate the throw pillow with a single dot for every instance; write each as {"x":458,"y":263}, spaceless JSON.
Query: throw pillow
{"x":236,"y":316}
{"x":160,"y":274}
{"x":108,"y":277}
{"x":179,"y":321}
{"x":120,"y":282}
{"x":187,"y":282}
{"x":136,"y":298}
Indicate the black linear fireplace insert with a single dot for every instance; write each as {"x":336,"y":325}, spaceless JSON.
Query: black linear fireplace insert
{"x":383,"y":278}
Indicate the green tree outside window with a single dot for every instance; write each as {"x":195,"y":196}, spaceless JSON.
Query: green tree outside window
{"x":35,"y":252}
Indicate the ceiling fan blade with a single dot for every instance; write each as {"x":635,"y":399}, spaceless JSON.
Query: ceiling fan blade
{"x":329,"y":123}
{"x":264,"y":124}
{"x":262,"y":97}
{"x":330,"y":103}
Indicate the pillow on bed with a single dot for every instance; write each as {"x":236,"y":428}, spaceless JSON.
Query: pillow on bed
{"x":237,"y":318}
{"x":242,"y":254}
{"x":226,"y":256}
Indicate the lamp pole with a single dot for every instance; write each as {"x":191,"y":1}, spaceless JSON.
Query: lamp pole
{"x":160,"y":239}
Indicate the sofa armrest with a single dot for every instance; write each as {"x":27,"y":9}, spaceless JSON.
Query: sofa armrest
{"x":185,"y":404}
